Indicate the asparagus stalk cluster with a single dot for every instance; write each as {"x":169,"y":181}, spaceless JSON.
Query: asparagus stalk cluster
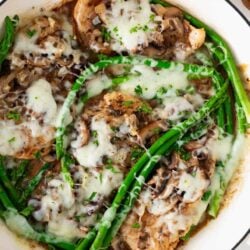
{"x":8,"y":37}
{"x":20,"y":225}
{"x":10,"y":203}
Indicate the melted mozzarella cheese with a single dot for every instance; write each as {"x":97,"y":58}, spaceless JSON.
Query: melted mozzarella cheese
{"x":64,"y":227}
{"x":14,"y":138}
{"x":131,"y":24}
{"x":59,"y":194}
{"x":25,"y":44}
{"x":193,"y":186}
{"x":97,"y":84}
{"x":60,"y":205}
{"x":220,"y":148}
{"x":57,"y":208}
{"x":158,"y":207}
{"x":102,"y":183}
{"x":174,"y":108}
{"x":91,"y":155}
{"x":177,"y":222}
{"x":152,"y":81}
{"x":170,"y":80}
{"x":41,"y":100}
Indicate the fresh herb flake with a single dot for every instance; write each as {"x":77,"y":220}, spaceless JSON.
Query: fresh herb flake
{"x":136,"y":153}
{"x":30,"y":33}
{"x":161,"y":91}
{"x":106,"y":34}
{"x":11,"y":139}
{"x":27,"y":211}
{"x":206,"y":195}
{"x":145,"y":108}
{"x":13,"y":116}
{"x":138,"y":90}
{"x":92,"y":196}
{"x":127,"y":103}
{"x":119,"y":80}
{"x":38,"y":155}
{"x":112,"y":169}
{"x":136,"y":225}
{"x":100,"y":177}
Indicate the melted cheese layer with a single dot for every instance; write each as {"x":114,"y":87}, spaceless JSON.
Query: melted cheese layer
{"x":41,"y":100}
{"x":91,"y":154}
{"x":131,"y":24}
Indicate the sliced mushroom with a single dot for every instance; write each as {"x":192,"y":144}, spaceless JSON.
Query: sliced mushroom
{"x":83,"y":134}
{"x":5,"y":82}
{"x":87,"y":33}
{"x":151,"y":129}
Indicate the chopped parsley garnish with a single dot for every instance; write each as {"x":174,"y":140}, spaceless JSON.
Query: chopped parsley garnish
{"x":136,"y":153}
{"x":96,"y":142}
{"x":138,"y":90}
{"x":79,"y":217}
{"x":38,"y":155}
{"x":139,"y":27}
{"x":136,"y":225}
{"x":162,"y":91}
{"x":185,"y":155}
{"x":194,"y":173}
{"x":100,"y":177}
{"x":94,"y":134}
{"x":12,"y":139}
{"x":133,"y":29}
{"x":127,"y":103}
{"x":109,"y":161}
{"x":115,"y":129}
{"x":106,"y":34}
{"x":13,"y":116}
{"x":206,"y":196}
{"x":179,"y":92}
{"x":145,"y":108}
{"x":115,"y":29}
{"x":30,"y":33}
{"x":92,"y":196}
{"x":152,"y":17}
{"x":190,"y":90}
{"x":112,"y":169}
{"x":220,"y":164}
{"x":27,"y":211}
{"x":119,"y":79}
